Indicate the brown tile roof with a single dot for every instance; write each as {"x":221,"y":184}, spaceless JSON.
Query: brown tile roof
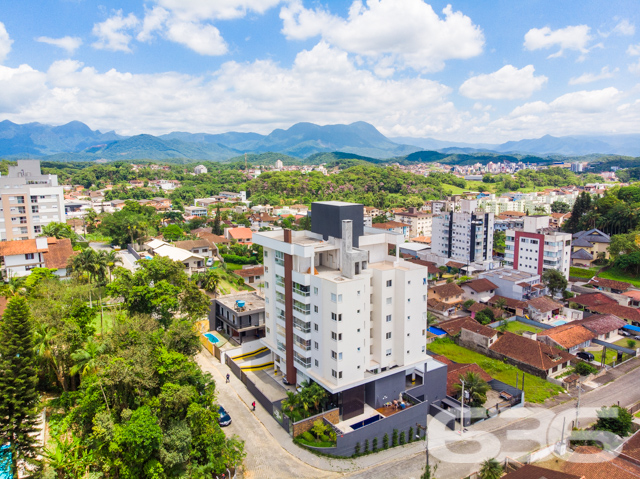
{"x":513,"y":213}
{"x":610,"y":283}
{"x":635,"y":294}
{"x":191,"y":244}
{"x":58,"y":254}
{"x":432,"y":268}
{"x":390,"y":225}
{"x":569,"y":335}
{"x":631,"y":449}
{"x":529,"y":471}
{"x":455,"y":264}
{"x":509,"y":302}
{"x":15,"y":247}
{"x":531,"y":352}
{"x":623,"y":312}
{"x":544,"y":304}
{"x":442,"y":359}
{"x":588,"y":300}
{"x":454,"y":326}
{"x":477,"y":307}
{"x":602,"y":465}
{"x":447,"y":290}
{"x":422,"y":239}
{"x":480,"y":285}
{"x":246,"y":272}
{"x":455,"y":370}
{"x":602,"y":323}
{"x":436,"y":305}
{"x":215,"y":239}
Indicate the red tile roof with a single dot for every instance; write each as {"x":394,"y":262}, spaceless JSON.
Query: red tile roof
{"x":390,"y":225}
{"x":588,"y":300}
{"x":531,"y":352}
{"x":454,"y":326}
{"x":624,"y":312}
{"x":602,"y":323}
{"x":15,"y":247}
{"x":455,"y":370}
{"x":602,"y":465}
{"x":240,"y":233}
{"x":635,"y":294}
{"x":510,"y":303}
{"x":544,"y":304}
{"x":58,"y":254}
{"x":247,"y":272}
{"x":569,"y":335}
{"x":610,"y":283}
{"x":447,"y":290}
{"x":529,"y":471}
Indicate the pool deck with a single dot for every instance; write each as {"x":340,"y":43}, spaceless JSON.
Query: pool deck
{"x":387,"y":411}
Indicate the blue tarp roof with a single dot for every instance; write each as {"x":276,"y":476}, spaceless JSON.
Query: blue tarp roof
{"x":631,"y":328}
{"x":437,"y":331}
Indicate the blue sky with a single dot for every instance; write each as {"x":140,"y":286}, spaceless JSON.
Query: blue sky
{"x":471,"y":71}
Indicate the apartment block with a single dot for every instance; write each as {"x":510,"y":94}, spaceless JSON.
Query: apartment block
{"x":343,"y":313}
{"x":465,"y":236}
{"x":536,"y":248}
{"x":30,"y":200}
{"x":419,"y":221}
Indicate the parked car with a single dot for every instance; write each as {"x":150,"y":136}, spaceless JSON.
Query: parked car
{"x":284,"y":380}
{"x":224,"y":419}
{"x":209,"y":262}
{"x":624,"y":333}
{"x":587,"y":356}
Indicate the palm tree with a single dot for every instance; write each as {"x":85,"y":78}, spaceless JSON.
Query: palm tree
{"x":112,"y":259}
{"x":475,"y":386}
{"x":431,"y":319}
{"x":13,"y":288}
{"x":490,"y":469}
{"x":43,"y":344}
{"x":86,"y":362}
{"x":501,"y":303}
{"x":210,"y":281}
{"x":82,"y":263}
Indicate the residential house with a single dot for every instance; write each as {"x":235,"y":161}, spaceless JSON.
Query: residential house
{"x":117,"y":204}
{"x":160,"y":204}
{"x":137,"y":183}
{"x":570,"y":337}
{"x":96,"y":196}
{"x":200,"y":169}
{"x":422,"y":239}
{"x":21,"y":256}
{"x":634,"y":296}
{"x":534,"y":357}
{"x":480,"y":290}
{"x":631,"y":315}
{"x":205,"y":233}
{"x":543,"y":309}
{"x":412,"y":249}
{"x":200,"y":246}
{"x":515,"y":284}
{"x":261,"y":220}
{"x":558,"y":219}
{"x":511,"y":305}
{"x":594,"y":242}
{"x":191,"y":261}
{"x":251,"y":274}
{"x":475,"y":308}
{"x":456,"y":371}
{"x":610,"y":285}
{"x":432,"y":269}
{"x":604,"y":326}
{"x":241,"y":235}
{"x":445,"y":298}
{"x":581,"y":257}
{"x":199,"y":211}
{"x":395,"y":227}
{"x":594,"y":463}
{"x":529,"y":471}
{"x":240,"y":316}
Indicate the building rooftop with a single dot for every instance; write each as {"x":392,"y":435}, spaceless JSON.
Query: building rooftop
{"x":604,"y":465}
{"x":589,"y":300}
{"x":509,"y":274}
{"x":529,"y":471}
{"x":480,"y":285}
{"x":569,"y":335}
{"x":544,"y":304}
{"x":531,"y":352}
{"x":602,"y":323}
{"x":447,"y":290}
{"x":609,"y":283}
{"x":454,"y":326}
{"x":253,"y":302}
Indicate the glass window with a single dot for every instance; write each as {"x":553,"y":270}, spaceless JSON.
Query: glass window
{"x":389,"y":283}
{"x":388,"y":318}
{"x":388,"y":335}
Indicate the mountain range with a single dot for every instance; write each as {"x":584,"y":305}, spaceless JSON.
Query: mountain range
{"x":75,"y":141}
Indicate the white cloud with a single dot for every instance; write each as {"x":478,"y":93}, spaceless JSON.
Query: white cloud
{"x":154,"y":20}
{"x":568,"y":38}
{"x":5,"y":42}
{"x":508,"y":83}
{"x":70,"y":44}
{"x":408,"y":32}
{"x":633,"y":50}
{"x":591,"y":77}
{"x":635,"y":67}
{"x":624,"y":27}
{"x":113,"y":34}
{"x":201,"y":38}
{"x":199,"y":10}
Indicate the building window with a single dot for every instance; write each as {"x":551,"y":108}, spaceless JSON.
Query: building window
{"x":315,"y":291}
{"x":339,"y":356}
{"x":266,"y":284}
{"x":37,"y":229}
{"x":409,"y":282}
{"x":409,"y":300}
{"x":339,"y":374}
{"x":316,"y":362}
{"x":333,"y":373}
{"x":334,"y":336}
{"x":388,"y":318}
{"x":388,"y":335}
{"x":339,"y":298}
{"x":358,"y":293}
{"x":268,"y":330}
{"x":280,"y":258}
{"x":424,"y":332}
{"x":424,"y":297}
{"x":333,"y":355}
{"x":315,"y":308}
{"x":29,"y":256}
{"x":389,"y":283}
{"x":408,"y":318}
{"x":336,"y":317}
{"x":388,"y":352}
{"x":265,"y":253}
{"x":389,"y":300}
{"x":333,"y":297}
{"x":315,"y":327}
{"x":315,"y":345}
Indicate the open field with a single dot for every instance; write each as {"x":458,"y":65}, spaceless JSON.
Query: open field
{"x":618,"y":275}
{"x":536,"y":390}
{"x":586,"y":273}
{"x":518,"y":328}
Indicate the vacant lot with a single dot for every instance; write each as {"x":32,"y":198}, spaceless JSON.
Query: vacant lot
{"x":536,"y":390}
{"x":519,"y":328}
{"x":618,"y":275}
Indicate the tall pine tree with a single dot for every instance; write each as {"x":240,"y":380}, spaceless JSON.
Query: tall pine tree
{"x":18,"y":394}
{"x":216,"y":222}
{"x":580,"y":207}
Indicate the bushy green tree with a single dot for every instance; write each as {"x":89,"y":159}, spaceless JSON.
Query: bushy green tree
{"x":614,"y":419}
{"x":555,"y":281}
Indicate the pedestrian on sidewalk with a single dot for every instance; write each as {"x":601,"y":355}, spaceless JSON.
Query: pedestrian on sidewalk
{"x":253,"y":405}
{"x":228,"y":377}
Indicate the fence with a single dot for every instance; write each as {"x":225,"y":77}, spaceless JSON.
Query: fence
{"x":130,"y":249}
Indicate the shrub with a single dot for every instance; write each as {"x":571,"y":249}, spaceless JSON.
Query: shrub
{"x":567,"y":294}
{"x":307,"y":436}
{"x":366,"y":446}
{"x":411,"y":434}
{"x":631,"y":344}
{"x":375,"y":444}
{"x":385,"y":441}
{"x":232,"y":258}
{"x":402,"y":438}
{"x":468,"y":303}
{"x":394,"y":438}
{"x":324,"y":438}
{"x":584,"y":369}
{"x":333,"y":436}
{"x":319,"y":428}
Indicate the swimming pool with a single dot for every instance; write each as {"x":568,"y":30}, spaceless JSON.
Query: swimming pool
{"x":366,"y":422}
{"x":212,"y":339}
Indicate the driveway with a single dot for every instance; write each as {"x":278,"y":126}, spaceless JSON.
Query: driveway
{"x":128,"y":260}
{"x":271,"y":452}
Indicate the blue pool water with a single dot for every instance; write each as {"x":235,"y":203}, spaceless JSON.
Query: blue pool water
{"x":366,"y":422}
{"x":211,"y":338}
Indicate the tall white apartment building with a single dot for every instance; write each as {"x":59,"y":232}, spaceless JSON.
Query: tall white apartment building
{"x":536,"y":247}
{"x":343,"y":313}
{"x":30,"y":200}
{"x":465,"y":236}
{"x":419,"y":221}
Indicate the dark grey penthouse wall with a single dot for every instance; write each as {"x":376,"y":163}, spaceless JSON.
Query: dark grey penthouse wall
{"x":327,"y":217}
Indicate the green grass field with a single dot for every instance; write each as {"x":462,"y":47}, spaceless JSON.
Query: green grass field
{"x":586,"y":273}
{"x":454,"y":190}
{"x":618,"y":275}
{"x":536,"y":390}
{"x":611,"y":356}
{"x":623,"y":342}
{"x":107,"y":320}
{"x":519,"y":328}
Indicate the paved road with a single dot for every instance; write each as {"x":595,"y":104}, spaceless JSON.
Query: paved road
{"x":128,"y":260}
{"x":271,"y":453}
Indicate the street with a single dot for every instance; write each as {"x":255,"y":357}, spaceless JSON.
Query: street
{"x":128,"y":260}
{"x":271,"y":452}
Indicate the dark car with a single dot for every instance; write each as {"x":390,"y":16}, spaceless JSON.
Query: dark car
{"x":585,"y":355}
{"x":224,"y":419}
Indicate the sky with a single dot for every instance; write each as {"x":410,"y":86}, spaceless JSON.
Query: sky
{"x":474,"y":71}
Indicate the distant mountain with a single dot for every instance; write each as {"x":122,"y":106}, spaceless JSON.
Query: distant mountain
{"x":36,"y":139}
{"x":440,"y":145}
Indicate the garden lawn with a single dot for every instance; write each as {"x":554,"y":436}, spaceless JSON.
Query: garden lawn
{"x":233,"y":266}
{"x":618,"y":275}
{"x":611,"y":356}
{"x":519,"y":328}
{"x":536,"y":390}
{"x":455,"y":190}
{"x":623,"y":342}
{"x":586,"y":273}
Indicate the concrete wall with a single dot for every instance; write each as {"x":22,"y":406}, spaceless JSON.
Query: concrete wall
{"x":333,"y":416}
{"x":384,"y":390}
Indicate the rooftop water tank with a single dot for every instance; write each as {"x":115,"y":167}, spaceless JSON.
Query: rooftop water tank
{"x":240,"y":303}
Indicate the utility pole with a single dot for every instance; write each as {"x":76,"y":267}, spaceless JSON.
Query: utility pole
{"x":578,"y":403}
{"x":462,"y":408}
